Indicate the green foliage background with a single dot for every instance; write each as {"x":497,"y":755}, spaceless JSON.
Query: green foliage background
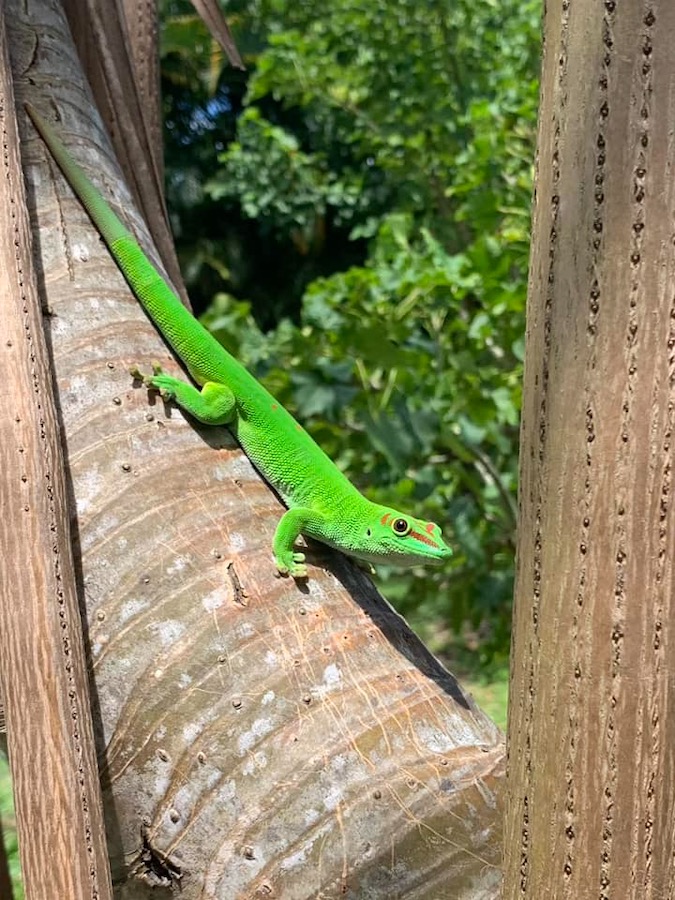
{"x":352,"y":216}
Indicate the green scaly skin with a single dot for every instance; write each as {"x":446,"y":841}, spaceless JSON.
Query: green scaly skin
{"x":322,"y":503}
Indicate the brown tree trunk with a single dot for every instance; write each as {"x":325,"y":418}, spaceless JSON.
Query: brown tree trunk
{"x":257,"y":738}
{"x":42,"y":661}
{"x":591,"y":808}
{"x":117,"y":43}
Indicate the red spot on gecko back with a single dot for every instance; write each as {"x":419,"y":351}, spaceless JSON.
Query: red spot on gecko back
{"x":275,"y":406}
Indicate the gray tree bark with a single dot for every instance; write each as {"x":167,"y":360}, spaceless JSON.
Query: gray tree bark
{"x":592,"y":716}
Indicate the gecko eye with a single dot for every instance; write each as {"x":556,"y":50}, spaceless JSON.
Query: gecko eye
{"x":401,"y":527}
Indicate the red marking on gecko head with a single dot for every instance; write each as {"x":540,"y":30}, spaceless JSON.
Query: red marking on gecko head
{"x":429,"y":528}
{"x":385,"y":519}
{"x":423,"y":538}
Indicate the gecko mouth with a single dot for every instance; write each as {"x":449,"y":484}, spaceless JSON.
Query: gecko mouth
{"x":440,"y":555}
{"x":435,"y":555}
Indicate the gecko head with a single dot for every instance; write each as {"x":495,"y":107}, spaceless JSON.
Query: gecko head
{"x":397,"y":539}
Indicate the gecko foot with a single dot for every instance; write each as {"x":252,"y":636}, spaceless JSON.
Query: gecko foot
{"x":292,"y":564}
{"x":165,"y":385}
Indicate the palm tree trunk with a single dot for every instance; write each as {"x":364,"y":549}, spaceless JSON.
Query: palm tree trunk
{"x":42,"y":662}
{"x":592,"y":719}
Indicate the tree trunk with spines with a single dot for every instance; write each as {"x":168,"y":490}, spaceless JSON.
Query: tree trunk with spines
{"x":591,"y":796}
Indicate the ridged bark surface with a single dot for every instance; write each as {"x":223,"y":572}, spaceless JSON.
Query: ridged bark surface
{"x":45,"y":687}
{"x":592,"y":717}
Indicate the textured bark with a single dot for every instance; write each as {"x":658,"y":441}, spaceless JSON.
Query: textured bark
{"x":258,"y":738}
{"x":117,"y":41}
{"x":141,"y":20}
{"x":42,"y":661}
{"x":592,"y":717}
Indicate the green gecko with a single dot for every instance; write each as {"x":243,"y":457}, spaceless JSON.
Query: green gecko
{"x":322,"y":502}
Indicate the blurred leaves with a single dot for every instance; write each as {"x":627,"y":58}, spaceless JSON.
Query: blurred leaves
{"x":367,"y":192}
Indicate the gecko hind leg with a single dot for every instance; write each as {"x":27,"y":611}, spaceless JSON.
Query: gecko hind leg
{"x":214,"y":404}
